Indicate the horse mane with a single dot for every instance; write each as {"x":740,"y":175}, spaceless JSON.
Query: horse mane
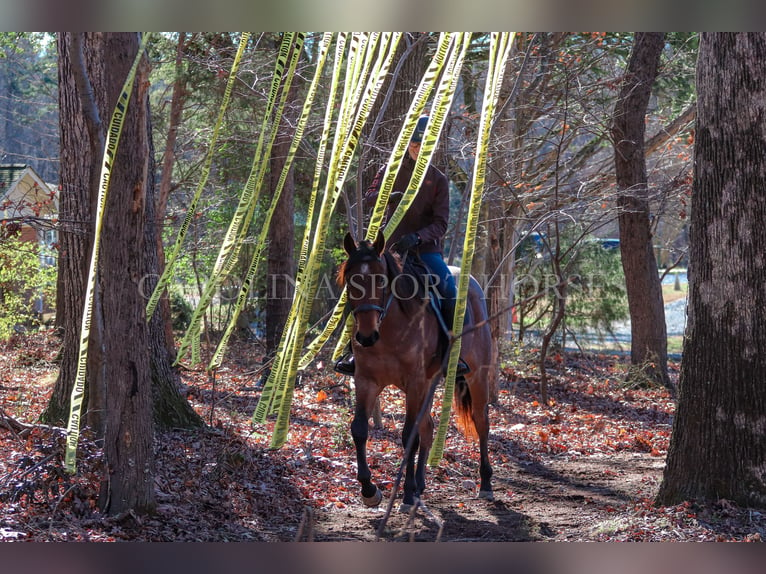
{"x":411,"y":292}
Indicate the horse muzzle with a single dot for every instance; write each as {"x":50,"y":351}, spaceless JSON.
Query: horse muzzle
{"x":366,"y":324}
{"x":368,"y":340}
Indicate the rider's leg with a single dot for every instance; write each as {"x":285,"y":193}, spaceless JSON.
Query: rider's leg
{"x":448,"y":291}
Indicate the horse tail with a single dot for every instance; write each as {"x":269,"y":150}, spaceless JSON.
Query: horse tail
{"x":463,"y":408}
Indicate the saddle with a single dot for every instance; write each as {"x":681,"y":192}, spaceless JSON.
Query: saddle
{"x":417,"y":267}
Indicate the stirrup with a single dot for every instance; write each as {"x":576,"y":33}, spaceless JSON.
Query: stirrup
{"x":345,"y":365}
{"x":462,"y":368}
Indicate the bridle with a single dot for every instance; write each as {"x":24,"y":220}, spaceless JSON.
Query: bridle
{"x":372,"y":307}
{"x":381,"y":309}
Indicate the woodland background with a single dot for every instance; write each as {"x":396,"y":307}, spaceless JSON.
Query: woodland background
{"x":586,"y":206}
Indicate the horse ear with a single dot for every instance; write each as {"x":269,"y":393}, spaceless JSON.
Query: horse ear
{"x":348,"y":243}
{"x":380,"y":242}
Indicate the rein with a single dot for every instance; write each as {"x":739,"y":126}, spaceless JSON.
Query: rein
{"x":371,"y":307}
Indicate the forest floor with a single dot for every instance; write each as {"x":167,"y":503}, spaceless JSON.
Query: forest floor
{"x":584,"y":467}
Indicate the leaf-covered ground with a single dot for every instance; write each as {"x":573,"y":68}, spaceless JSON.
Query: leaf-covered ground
{"x":586,"y":466}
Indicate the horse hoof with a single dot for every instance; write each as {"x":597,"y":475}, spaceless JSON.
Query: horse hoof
{"x":405,"y":508}
{"x":487,"y":495}
{"x":374,"y":500}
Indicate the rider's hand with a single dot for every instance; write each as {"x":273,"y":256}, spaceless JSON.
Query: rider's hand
{"x":406,"y":243}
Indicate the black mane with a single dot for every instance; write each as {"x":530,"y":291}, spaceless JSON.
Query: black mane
{"x":408,"y":279}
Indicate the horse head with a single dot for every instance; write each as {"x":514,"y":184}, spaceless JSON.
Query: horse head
{"x":365,"y":277}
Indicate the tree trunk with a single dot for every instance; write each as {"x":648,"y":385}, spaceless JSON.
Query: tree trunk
{"x":647,"y":313}
{"x":388,"y":112}
{"x":80,"y":165}
{"x":281,"y":266}
{"x":503,"y":212}
{"x":128,"y":484}
{"x":170,"y":409}
{"x":119,"y":362}
{"x":718,"y":447}
{"x":379,"y":137}
{"x":166,"y":179}
{"x":503,"y":216}
{"x":82,"y":119}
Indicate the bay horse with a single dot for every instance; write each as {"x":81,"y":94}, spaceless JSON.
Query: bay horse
{"x":397,"y":340}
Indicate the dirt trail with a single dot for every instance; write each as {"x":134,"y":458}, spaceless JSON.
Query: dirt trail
{"x":557,"y":500}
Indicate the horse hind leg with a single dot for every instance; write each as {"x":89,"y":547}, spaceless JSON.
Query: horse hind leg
{"x":472,"y":399}
{"x":485,"y":470}
{"x":480,"y":415}
{"x":410,"y":489}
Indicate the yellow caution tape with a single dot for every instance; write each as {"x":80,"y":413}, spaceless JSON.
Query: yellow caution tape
{"x":170,"y":261}
{"x":271,"y":388}
{"x":500,"y":45}
{"x":215,"y":362}
{"x":110,"y":152}
{"x":292,"y":45}
{"x":362,"y":69}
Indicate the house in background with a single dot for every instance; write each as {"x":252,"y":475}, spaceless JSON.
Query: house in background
{"x":27,"y":203}
{"x":28,"y":208}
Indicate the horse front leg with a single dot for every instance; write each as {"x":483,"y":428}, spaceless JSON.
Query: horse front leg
{"x":409,"y":430}
{"x":423,"y":431}
{"x":365,"y":399}
{"x":426,"y":440}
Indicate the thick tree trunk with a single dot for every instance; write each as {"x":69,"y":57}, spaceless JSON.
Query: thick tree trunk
{"x":80,"y":162}
{"x":118,"y":382}
{"x":647,"y":313}
{"x":128,"y":485}
{"x":80,"y":168}
{"x":718,"y":446}
{"x":74,"y":215}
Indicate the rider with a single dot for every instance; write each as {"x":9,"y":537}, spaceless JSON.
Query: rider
{"x":420,"y":231}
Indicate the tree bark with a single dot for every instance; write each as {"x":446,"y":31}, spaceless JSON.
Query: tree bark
{"x":80,"y":168}
{"x":170,"y":408}
{"x":503,"y":210}
{"x":281,"y":236}
{"x":379,"y":136}
{"x":718,"y":448}
{"x":281,"y":266}
{"x":647,"y":313}
{"x":128,"y":484}
{"x":166,"y":179}
{"x":80,"y":163}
